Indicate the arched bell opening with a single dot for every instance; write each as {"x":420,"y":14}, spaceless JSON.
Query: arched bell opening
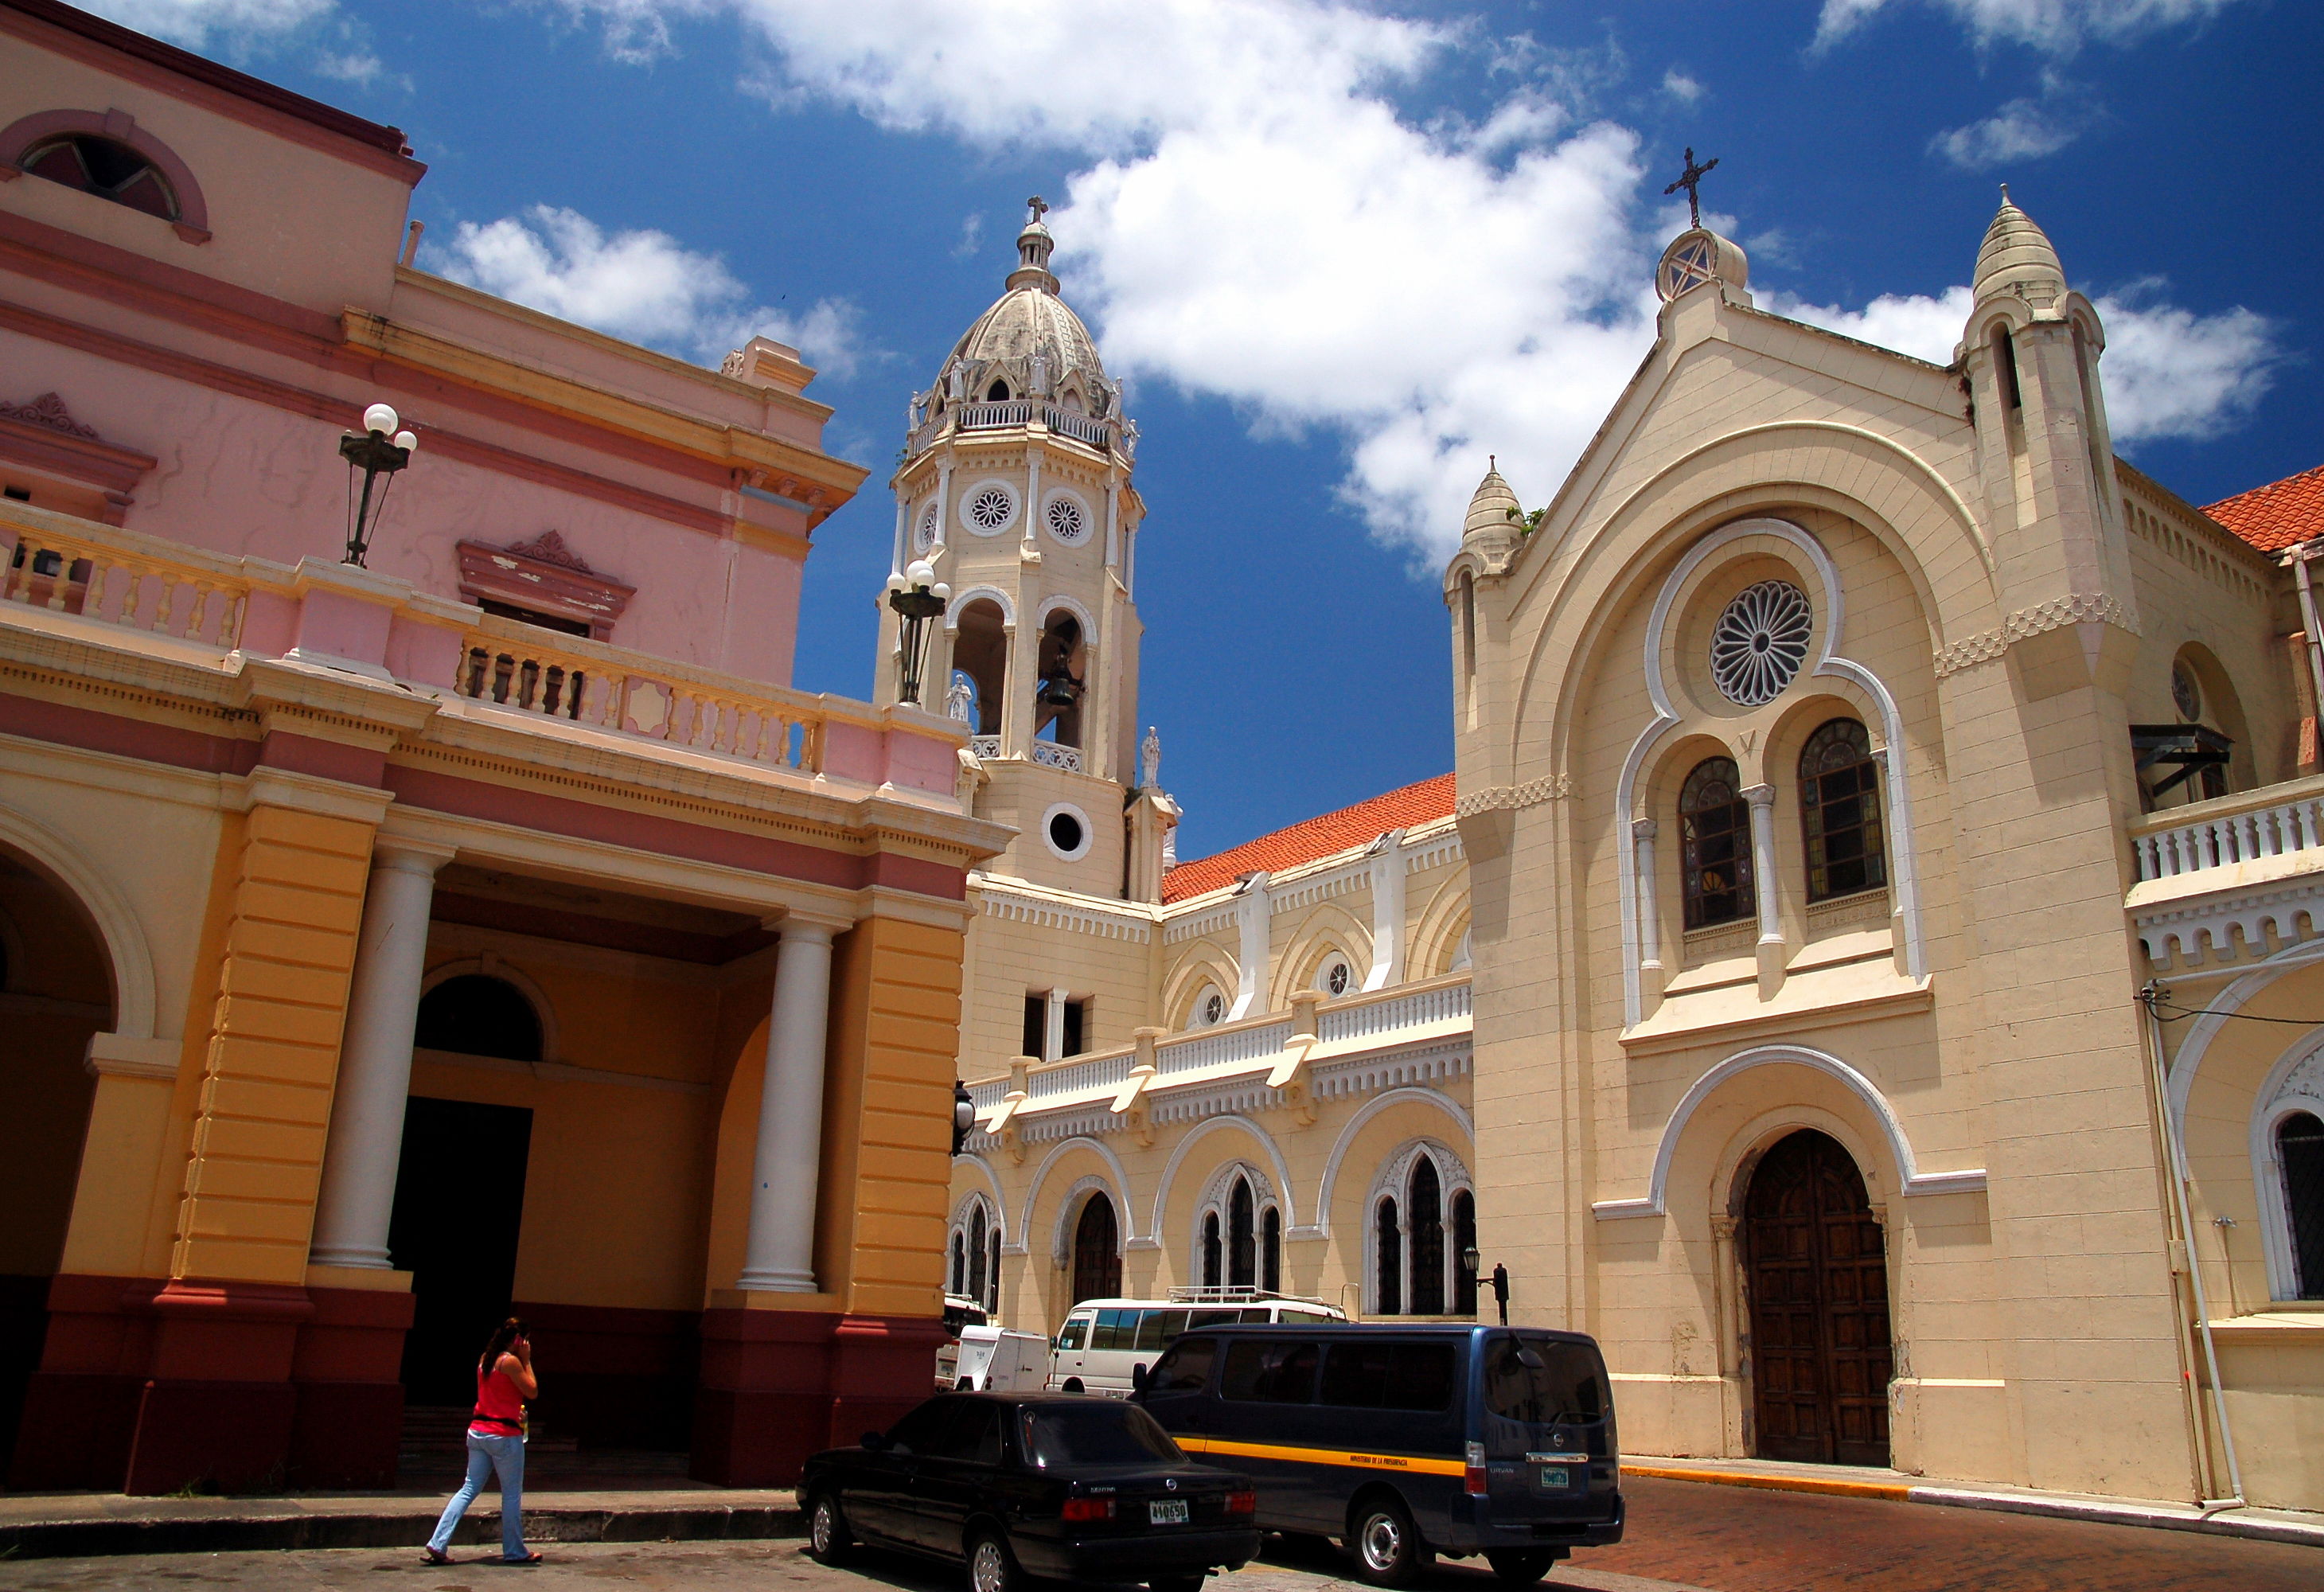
{"x":1060,"y":691}
{"x":56,"y":991}
{"x":980,"y":656}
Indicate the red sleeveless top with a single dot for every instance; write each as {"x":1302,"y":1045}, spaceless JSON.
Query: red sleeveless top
{"x":498,"y":1407}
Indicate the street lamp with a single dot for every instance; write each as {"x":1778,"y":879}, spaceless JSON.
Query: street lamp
{"x":964,"y":1114}
{"x":378,"y":450}
{"x":918,"y":597}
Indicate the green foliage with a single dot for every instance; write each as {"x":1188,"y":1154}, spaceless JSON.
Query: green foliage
{"x":1529,"y":522}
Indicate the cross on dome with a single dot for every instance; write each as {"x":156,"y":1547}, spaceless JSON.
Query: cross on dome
{"x":1691,"y":180}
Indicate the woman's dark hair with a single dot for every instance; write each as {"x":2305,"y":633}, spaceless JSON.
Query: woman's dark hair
{"x":506,"y":1334}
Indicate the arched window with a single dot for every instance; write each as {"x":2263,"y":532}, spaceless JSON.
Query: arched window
{"x":477,"y":1014}
{"x":103,"y":167}
{"x":1059,"y":680}
{"x":1242,"y":1256}
{"x":1839,"y":811}
{"x":959,"y":1288}
{"x":980,"y":650}
{"x":992,"y":1277}
{"x":1715,"y":835}
{"x":977,"y":1259}
{"x":1464,"y":1239}
{"x":1212,"y":1251}
{"x":2299,"y":1152}
{"x":1387,"y":1260}
{"x":1270,"y":1251}
{"x":1097,"y":1254}
{"x":997,"y":394}
{"x":1425,"y":1216}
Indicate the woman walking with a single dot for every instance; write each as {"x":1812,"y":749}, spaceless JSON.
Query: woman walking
{"x":504,"y":1380}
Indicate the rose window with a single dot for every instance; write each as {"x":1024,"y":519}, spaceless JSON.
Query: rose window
{"x":990,"y":508}
{"x":1761,"y":642}
{"x":925,"y":537}
{"x":1067,"y":523}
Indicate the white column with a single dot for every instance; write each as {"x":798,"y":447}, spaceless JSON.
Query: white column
{"x":1032,"y":500}
{"x":1254,"y":920}
{"x":944,"y":506}
{"x":780,"y":1254}
{"x":1053,"y":1027}
{"x":903,"y":529}
{"x":1762,"y":799}
{"x":1388,"y":913}
{"x":1650,"y":926}
{"x":366,"y":1133}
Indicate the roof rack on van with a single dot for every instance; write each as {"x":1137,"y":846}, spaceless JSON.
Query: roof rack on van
{"x":1237,"y":1296}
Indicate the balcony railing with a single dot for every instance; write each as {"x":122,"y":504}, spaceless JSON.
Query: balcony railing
{"x":118,"y":576}
{"x":2274,"y":820}
{"x":1100,"y":434}
{"x":1049,"y":754}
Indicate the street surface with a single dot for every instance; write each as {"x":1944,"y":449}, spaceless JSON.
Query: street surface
{"x":1684,"y":1537}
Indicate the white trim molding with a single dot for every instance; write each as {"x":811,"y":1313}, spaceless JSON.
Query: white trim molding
{"x":1911,"y":1180}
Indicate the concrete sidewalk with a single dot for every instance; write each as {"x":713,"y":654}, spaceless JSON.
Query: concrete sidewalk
{"x":56,"y":1525}
{"x":2269,"y":1525}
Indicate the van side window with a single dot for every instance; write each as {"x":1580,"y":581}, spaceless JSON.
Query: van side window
{"x":1214,"y":1319}
{"x":1077,"y":1327}
{"x":1160,"y":1328}
{"x":1389,"y":1375}
{"x":1115,"y":1330}
{"x":1264,"y":1373}
{"x":1544,"y":1382}
{"x":1186,"y":1368}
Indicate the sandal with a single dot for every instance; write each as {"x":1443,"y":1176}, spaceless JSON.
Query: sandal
{"x":435,"y":1556}
{"x":528,"y":1558}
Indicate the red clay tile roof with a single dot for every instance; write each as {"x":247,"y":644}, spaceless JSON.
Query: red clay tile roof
{"x":1315,"y":838}
{"x":2278,"y":515}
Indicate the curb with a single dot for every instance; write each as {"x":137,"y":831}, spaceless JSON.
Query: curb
{"x":89,"y":1539}
{"x":2155,"y":1517}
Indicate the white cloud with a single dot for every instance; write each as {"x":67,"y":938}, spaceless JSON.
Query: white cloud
{"x":2057,"y":27}
{"x":643,"y":285}
{"x":2167,"y":372}
{"x":2022,"y":130}
{"x":198,"y":22}
{"x":972,"y":236}
{"x":1681,"y":87}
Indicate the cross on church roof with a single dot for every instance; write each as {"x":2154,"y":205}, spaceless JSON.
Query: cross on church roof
{"x":1691,"y":180}
{"x":1040,"y":206}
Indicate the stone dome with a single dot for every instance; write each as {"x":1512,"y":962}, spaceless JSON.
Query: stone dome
{"x":1029,"y":340}
{"x":1489,"y":510}
{"x":2016,"y":258}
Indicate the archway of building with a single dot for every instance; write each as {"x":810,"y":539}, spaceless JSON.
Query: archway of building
{"x":980,"y":652}
{"x":1061,"y":680}
{"x":1097,"y":1250}
{"x":56,"y":991}
{"x":1816,"y":1277}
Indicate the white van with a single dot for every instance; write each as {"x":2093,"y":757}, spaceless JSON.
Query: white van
{"x":1104,"y":1340}
{"x":992,"y":1359}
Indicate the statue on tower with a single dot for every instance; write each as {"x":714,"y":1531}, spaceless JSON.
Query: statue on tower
{"x":956,"y":700}
{"x":1149,"y":760}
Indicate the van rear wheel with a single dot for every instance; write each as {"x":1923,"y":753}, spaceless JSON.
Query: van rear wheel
{"x":1388,"y":1551}
{"x":1520,"y":1567}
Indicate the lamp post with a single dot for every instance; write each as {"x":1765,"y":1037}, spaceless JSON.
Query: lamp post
{"x":964,"y":1114}
{"x":378,"y":450}
{"x":918,"y":597}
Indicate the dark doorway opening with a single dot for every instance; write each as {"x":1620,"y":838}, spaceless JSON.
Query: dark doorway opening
{"x":1820,"y":1354}
{"x":1097,"y":1255}
{"x":459,"y":1205}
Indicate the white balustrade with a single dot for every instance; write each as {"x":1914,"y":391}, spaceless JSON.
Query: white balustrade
{"x":1050,"y":755}
{"x":984,"y":747}
{"x":986,"y":417}
{"x":1221,"y":1048}
{"x":162,"y":594}
{"x":1077,"y":1077}
{"x":1382,"y":1017}
{"x":2222,"y":840}
{"x":1097,"y":433}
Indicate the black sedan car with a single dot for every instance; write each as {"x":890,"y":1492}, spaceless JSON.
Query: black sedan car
{"x":1038,"y":1484}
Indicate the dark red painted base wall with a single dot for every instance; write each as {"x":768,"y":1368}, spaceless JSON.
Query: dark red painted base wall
{"x":778,"y":1385}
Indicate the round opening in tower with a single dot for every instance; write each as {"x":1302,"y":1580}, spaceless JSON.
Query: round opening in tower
{"x":1065,"y":832}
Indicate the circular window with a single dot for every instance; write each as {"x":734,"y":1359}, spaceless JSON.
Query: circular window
{"x":1761,"y":642}
{"x":925,"y":537}
{"x":2186,"y":693}
{"x":990,"y":509}
{"x":1066,"y":828}
{"x":1210,"y":1008}
{"x":1068,"y":522}
{"x":1335,"y":977}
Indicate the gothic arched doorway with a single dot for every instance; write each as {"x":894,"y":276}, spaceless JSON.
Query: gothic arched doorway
{"x":1097,"y":1257}
{"x":1820,"y":1353}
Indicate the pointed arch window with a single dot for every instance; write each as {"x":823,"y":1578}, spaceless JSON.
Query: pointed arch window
{"x":1097,"y":1251}
{"x":2300,"y":1153}
{"x":959,"y":1289}
{"x":1213,"y":1252}
{"x":1387,"y":1259}
{"x":997,"y":394}
{"x":1425,"y":1206}
{"x":1242,"y":1243}
{"x":1270,"y":1251}
{"x":1464,"y":1239}
{"x":977,"y":1256}
{"x":1715,"y":843}
{"x":1839,"y":811}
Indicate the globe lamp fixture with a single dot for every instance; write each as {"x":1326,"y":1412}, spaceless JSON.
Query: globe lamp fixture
{"x":918,"y":597}
{"x":381,"y":449}
{"x":964,"y":1114}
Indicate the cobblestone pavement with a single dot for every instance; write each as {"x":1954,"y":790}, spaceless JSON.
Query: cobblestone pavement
{"x":1684,"y":1537}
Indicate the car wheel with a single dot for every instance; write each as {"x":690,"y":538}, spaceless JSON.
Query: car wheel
{"x":1520,"y":1567}
{"x":1388,"y":1551}
{"x":827,"y":1536}
{"x":991,"y":1567}
{"x":1193,"y":1583}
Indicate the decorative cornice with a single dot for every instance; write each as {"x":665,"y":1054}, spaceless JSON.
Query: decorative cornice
{"x":1509,"y":798}
{"x":2078,"y":608}
{"x":549,"y":548}
{"x":48,"y":410}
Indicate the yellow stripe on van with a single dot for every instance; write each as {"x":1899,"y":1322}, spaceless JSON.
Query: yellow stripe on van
{"x":1411,"y":1464}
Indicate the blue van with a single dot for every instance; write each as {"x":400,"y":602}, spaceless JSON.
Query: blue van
{"x":1406,"y":1442}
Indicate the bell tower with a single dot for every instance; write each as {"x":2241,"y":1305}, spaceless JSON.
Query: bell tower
{"x":1015,"y":489}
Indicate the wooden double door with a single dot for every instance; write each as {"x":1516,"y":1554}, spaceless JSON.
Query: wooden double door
{"x":1820,"y":1352}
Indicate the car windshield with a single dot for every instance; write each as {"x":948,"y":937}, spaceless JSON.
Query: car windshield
{"x":1101,"y":1432}
{"x":1544,"y":1381}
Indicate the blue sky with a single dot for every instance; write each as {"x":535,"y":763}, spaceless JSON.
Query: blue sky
{"x":1342,"y":252}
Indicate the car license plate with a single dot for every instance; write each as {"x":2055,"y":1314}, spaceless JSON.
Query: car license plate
{"x":1166,"y":1511}
{"x":1552,"y":1476}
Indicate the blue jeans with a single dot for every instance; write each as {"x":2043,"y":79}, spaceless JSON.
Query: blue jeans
{"x":487,"y":1453}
